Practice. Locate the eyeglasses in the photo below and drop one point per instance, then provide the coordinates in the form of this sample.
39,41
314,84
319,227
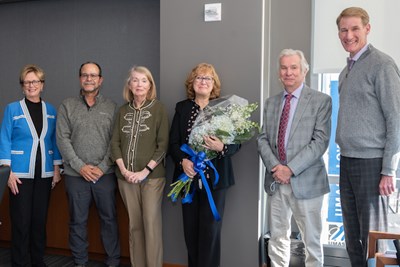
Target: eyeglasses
207,79
91,75
34,83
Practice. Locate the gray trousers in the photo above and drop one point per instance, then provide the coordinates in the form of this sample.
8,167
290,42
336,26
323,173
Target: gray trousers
80,194
362,206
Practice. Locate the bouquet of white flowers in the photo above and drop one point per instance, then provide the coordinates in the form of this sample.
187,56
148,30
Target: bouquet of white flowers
227,118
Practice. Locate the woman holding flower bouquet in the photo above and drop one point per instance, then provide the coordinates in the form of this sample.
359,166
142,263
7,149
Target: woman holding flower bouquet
138,146
202,231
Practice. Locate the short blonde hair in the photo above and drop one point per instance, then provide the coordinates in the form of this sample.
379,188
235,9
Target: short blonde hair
354,12
127,93
31,68
201,69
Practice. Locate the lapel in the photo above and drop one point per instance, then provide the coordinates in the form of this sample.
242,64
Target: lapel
301,107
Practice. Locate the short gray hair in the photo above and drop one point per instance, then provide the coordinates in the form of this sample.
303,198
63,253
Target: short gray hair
291,52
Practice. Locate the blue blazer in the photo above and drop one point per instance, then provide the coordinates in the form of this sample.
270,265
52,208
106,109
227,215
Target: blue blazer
19,140
307,142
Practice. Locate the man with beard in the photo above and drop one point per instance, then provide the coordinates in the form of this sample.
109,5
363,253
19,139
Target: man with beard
84,127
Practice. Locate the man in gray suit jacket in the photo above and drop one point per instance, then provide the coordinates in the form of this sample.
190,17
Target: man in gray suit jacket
295,178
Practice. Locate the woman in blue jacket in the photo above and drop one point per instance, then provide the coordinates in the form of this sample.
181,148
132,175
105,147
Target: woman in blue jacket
28,145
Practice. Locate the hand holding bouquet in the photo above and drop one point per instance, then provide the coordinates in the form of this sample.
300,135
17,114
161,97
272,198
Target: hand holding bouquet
228,119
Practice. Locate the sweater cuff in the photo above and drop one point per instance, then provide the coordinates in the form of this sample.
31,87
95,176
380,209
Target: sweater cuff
388,172
222,153
77,165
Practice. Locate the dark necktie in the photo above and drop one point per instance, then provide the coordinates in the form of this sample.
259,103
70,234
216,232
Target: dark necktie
350,63
282,129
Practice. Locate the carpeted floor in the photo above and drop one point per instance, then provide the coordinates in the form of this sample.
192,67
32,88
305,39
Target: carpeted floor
50,260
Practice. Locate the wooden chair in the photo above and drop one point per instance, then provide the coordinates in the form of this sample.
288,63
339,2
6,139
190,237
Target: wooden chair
381,259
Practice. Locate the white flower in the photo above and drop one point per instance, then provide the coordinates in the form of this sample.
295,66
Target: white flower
226,118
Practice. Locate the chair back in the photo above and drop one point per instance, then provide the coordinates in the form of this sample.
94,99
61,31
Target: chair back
381,259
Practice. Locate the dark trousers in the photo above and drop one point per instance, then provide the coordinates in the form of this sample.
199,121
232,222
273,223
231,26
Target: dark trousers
80,194
202,231
362,206
28,213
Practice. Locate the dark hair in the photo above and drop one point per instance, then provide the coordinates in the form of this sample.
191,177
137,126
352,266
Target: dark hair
90,62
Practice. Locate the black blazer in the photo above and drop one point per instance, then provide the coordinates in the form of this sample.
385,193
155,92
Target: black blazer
178,135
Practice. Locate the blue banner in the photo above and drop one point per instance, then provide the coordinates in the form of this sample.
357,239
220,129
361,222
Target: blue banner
334,152
335,230
334,207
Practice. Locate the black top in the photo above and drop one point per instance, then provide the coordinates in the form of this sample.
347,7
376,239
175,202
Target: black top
36,113
185,114
35,110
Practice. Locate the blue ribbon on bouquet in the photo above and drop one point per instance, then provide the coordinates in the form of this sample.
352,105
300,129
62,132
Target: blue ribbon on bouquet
199,164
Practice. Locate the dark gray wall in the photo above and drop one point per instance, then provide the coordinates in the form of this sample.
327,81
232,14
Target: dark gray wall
290,28
60,35
233,46
170,38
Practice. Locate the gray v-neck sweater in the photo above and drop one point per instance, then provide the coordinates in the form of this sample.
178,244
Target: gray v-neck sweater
369,112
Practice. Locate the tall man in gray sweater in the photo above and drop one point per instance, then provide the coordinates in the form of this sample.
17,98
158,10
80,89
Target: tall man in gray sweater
84,128
368,133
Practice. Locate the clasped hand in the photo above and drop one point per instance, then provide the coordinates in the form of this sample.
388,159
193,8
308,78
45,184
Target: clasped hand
282,174
136,177
91,173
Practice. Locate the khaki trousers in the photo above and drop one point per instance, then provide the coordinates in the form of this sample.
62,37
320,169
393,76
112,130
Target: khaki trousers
143,204
308,216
